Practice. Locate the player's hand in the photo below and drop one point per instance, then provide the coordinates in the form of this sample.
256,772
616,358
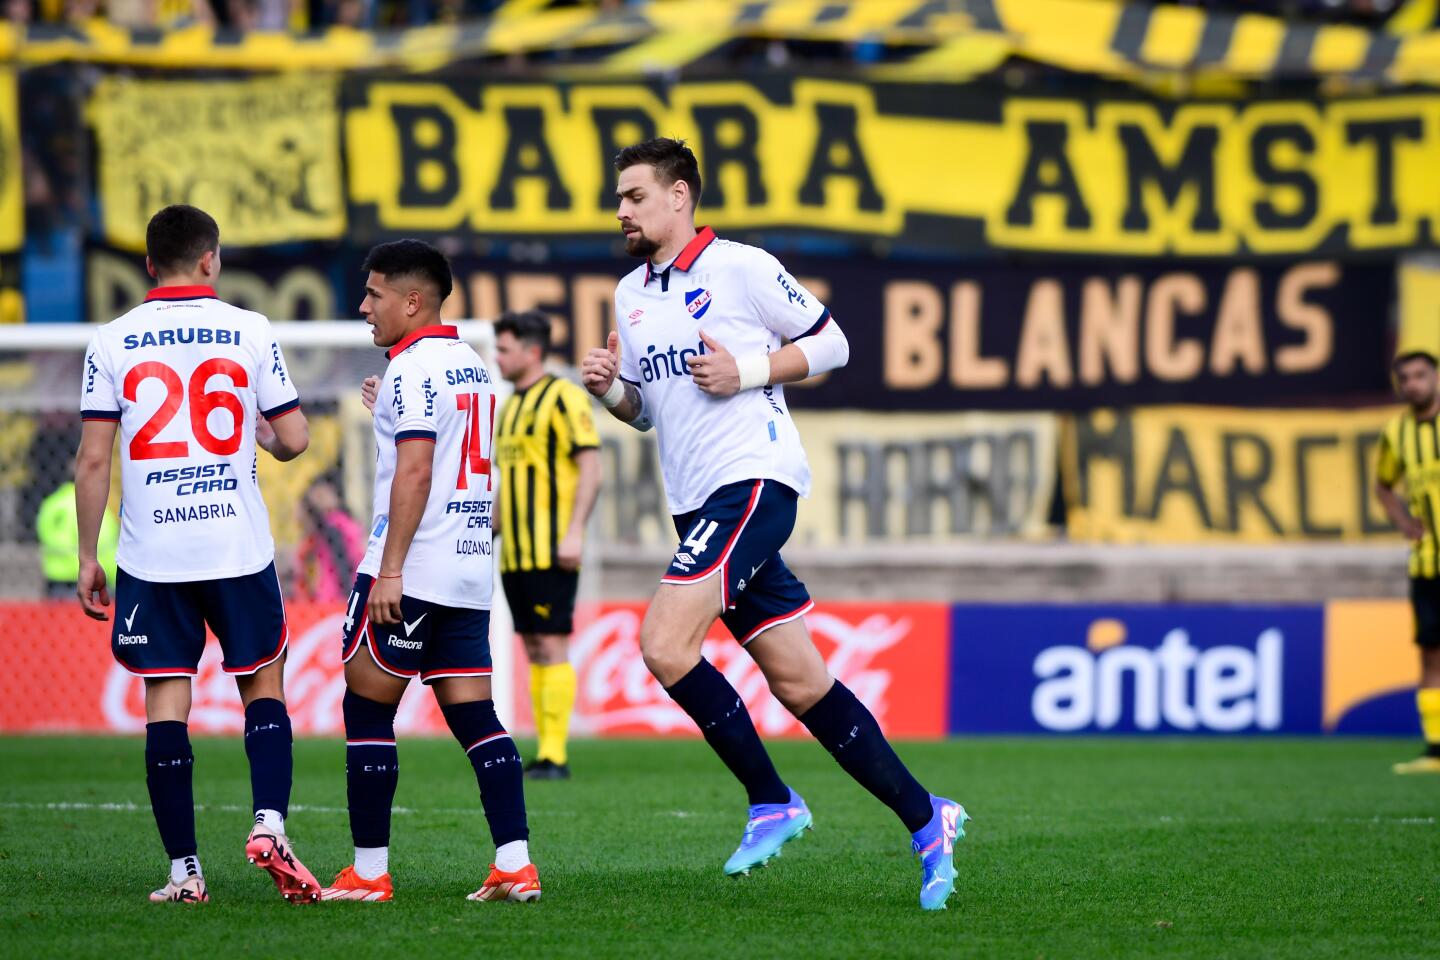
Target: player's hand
370,392
601,365
90,584
715,372
1413,529
567,554
264,434
384,603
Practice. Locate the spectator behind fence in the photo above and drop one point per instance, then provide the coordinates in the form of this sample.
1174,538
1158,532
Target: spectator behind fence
58,530
330,549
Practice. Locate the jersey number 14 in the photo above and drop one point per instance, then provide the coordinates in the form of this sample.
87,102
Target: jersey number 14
477,428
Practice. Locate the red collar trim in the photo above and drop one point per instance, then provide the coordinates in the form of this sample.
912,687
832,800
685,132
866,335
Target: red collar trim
438,330
179,293
694,248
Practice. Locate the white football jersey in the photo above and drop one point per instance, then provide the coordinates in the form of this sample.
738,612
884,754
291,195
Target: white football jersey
745,300
436,389
184,374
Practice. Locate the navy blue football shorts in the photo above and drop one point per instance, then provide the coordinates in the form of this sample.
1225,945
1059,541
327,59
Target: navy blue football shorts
736,536
159,628
432,641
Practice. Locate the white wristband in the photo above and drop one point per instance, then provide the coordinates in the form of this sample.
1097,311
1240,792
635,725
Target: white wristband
754,371
613,397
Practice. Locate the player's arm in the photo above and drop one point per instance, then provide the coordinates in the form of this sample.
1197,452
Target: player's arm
285,437
409,492
600,373
587,491
92,493
1387,478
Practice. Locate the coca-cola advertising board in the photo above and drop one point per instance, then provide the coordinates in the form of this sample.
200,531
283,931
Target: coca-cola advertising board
60,676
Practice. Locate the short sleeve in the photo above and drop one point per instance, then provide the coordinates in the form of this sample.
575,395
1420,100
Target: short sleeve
781,302
1387,466
98,400
629,363
411,395
573,416
275,392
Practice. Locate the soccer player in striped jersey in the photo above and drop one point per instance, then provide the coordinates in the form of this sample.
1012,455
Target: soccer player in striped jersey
421,603
193,385
708,332
1409,454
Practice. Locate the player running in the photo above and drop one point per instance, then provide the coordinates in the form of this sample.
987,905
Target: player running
701,356
1409,452
181,376
421,603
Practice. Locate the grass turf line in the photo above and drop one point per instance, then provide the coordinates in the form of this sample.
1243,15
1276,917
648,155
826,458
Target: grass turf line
1081,848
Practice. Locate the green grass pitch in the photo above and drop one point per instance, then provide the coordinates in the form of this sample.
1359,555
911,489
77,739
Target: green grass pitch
1080,848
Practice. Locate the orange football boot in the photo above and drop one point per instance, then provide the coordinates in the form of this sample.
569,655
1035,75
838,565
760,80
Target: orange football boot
522,885
349,885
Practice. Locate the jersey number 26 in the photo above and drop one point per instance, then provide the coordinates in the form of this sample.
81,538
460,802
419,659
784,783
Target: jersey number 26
202,401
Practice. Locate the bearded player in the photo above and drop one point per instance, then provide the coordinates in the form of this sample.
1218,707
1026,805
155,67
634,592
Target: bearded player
701,355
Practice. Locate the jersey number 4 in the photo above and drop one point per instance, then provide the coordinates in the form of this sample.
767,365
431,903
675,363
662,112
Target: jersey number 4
202,402
477,428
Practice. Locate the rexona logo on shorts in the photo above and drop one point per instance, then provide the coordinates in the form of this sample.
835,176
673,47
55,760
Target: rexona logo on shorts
1156,669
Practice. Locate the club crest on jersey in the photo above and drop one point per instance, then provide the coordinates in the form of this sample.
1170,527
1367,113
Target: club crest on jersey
697,302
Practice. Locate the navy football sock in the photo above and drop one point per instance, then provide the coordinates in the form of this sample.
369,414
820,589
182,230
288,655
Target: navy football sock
718,711
267,744
169,764
372,768
497,767
846,728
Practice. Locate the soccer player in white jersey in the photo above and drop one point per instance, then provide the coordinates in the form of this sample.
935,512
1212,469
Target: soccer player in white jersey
193,385
708,331
421,604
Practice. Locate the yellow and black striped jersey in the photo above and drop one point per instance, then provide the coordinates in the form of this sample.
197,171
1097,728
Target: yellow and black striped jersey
1410,452
539,431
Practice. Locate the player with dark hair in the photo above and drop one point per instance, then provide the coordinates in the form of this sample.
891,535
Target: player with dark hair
421,603
547,452
1409,452
708,332
193,385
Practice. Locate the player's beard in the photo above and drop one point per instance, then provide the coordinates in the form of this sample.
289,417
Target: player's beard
639,245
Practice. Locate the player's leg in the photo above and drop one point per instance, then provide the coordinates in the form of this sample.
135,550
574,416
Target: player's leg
247,615
1425,599
372,762
457,665
768,620
542,605
158,633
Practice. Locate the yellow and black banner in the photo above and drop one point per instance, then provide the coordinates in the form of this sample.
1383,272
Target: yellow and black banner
934,39
12,203
1204,474
965,168
262,156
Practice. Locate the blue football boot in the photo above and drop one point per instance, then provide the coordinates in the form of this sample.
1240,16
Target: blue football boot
770,827
935,845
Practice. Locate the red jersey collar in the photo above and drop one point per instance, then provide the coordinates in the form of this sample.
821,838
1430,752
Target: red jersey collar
179,293
439,330
689,255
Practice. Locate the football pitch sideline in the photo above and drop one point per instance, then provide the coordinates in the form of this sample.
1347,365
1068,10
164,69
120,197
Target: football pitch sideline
1080,848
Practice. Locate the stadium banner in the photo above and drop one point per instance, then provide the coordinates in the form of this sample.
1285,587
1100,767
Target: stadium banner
12,191
963,168
893,655
1350,667
933,336
896,478
260,155
1212,475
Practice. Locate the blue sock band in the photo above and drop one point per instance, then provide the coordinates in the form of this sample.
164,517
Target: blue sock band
718,711
372,768
268,745
169,764
847,728
497,767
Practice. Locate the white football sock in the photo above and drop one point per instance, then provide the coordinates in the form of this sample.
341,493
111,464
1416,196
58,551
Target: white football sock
512,856
182,868
272,820
372,862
